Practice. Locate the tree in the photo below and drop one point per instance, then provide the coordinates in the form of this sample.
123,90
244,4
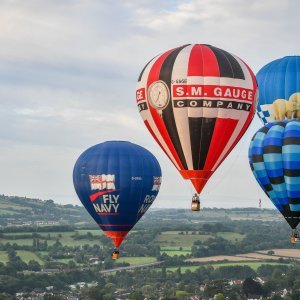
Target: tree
251,286
92,293
137,295
219,296
33,265
277,274
182,294
71,264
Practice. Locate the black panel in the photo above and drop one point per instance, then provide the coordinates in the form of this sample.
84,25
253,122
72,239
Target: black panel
272,149
168,114
294,200
291,141
291,172
277,180
293,218
228,65
201,131
141,75
263,130
268,187
257,158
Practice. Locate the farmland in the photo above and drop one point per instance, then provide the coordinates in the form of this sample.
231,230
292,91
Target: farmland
188,247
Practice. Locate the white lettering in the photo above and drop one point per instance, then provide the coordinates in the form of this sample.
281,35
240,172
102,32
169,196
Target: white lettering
236,93
218,91
229,105
179,91
115,206
196,91
244,94
180,103
97,208
116,198
207,103
240,106
250,95
193,103
227,93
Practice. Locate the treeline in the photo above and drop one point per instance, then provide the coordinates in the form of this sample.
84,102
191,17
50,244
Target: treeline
153,282
32,228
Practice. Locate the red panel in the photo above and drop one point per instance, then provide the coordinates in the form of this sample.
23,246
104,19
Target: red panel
116,236
157,140
152,77
222,133
203,62
96,195
250,116
198,178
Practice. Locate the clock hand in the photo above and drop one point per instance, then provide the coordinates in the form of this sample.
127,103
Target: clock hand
157,97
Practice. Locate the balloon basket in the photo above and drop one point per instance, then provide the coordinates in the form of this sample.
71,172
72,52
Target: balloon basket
295,240
116,254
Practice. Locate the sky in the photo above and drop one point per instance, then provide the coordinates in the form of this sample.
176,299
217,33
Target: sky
68,71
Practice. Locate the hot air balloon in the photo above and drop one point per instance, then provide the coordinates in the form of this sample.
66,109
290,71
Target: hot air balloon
117,182
274,157
197,102
279,90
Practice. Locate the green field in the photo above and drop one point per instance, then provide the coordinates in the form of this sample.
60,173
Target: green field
175,252
64,237
173,238
23,242
137,260
174,248
95,232
253,265
66,260
7,212
231,236
26,256
3,257
8,206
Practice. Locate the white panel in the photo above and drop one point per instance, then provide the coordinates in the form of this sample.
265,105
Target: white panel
146,114
180,70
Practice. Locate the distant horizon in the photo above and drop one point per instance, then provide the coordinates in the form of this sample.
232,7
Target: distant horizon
152,207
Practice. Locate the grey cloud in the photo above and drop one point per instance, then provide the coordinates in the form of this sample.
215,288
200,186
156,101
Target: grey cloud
68,71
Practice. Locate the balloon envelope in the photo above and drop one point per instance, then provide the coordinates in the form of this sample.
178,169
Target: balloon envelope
116,182
274,157
197,101
279,81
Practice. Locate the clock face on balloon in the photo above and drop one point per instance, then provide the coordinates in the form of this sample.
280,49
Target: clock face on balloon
158,95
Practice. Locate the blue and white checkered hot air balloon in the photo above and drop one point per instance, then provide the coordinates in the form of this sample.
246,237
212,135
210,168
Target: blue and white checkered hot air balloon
274,157
279,89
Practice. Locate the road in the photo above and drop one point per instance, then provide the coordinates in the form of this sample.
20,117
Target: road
132,267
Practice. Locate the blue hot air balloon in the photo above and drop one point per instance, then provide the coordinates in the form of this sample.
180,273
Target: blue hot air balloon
116,182
279,89
274,157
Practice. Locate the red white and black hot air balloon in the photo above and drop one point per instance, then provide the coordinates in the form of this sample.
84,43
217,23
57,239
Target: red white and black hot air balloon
197,101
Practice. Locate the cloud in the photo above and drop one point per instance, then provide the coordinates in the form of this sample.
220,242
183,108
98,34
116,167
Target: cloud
68,71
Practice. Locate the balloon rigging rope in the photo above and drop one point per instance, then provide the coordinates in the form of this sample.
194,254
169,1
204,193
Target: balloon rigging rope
220,179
